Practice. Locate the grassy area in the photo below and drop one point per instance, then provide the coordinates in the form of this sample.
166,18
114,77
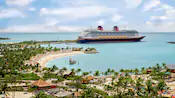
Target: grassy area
50,76
30,76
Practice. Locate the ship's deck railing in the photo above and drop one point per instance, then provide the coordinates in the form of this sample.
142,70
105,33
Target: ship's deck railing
95,30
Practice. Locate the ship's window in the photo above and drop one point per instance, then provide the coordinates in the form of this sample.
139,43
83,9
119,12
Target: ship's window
96,33
109,33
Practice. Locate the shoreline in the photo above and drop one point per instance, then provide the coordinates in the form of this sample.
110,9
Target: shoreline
43,59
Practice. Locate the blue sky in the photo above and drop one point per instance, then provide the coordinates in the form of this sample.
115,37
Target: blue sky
77,15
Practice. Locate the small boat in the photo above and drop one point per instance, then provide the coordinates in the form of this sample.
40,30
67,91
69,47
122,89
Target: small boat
71,61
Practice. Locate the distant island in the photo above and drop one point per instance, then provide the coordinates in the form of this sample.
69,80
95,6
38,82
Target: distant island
48,42
2,38
171,42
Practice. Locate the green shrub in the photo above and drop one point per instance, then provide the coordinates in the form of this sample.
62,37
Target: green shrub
30,76
15,88
49,76
41,94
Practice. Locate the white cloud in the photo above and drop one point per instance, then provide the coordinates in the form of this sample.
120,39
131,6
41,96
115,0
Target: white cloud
148,22
44,11
51,22
32,9
77,12
151,4
161,27
164,7
133,3
11,13
70,28
78,2
41,28
159,17
19,2
169,13
164,22
100,22
116,18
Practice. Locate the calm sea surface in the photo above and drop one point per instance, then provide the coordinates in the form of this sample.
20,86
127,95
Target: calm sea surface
152,50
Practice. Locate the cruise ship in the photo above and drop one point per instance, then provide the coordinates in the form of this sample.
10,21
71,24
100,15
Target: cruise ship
115,35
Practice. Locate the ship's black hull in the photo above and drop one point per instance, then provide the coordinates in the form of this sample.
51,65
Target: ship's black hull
136,39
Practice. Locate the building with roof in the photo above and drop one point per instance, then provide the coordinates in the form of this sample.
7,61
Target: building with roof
87,79
171,67
40,84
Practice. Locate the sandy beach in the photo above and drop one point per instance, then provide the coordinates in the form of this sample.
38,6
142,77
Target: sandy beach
19,95
42,59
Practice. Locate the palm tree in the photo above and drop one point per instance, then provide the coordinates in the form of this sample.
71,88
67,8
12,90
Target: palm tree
164,65
64,68
3,88
136,71
109,70
106,73
14,80
27,84
112,71
85,73
54,67
143,70
97,73
116,74
73,70
161,85
37,67
119,85
113,78
130,93
158,67
121,70
78,70
108,87
88,93
149,87
139,85
78,83
61,72
41,94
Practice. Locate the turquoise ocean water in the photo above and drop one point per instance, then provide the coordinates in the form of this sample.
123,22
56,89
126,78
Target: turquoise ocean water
152,50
